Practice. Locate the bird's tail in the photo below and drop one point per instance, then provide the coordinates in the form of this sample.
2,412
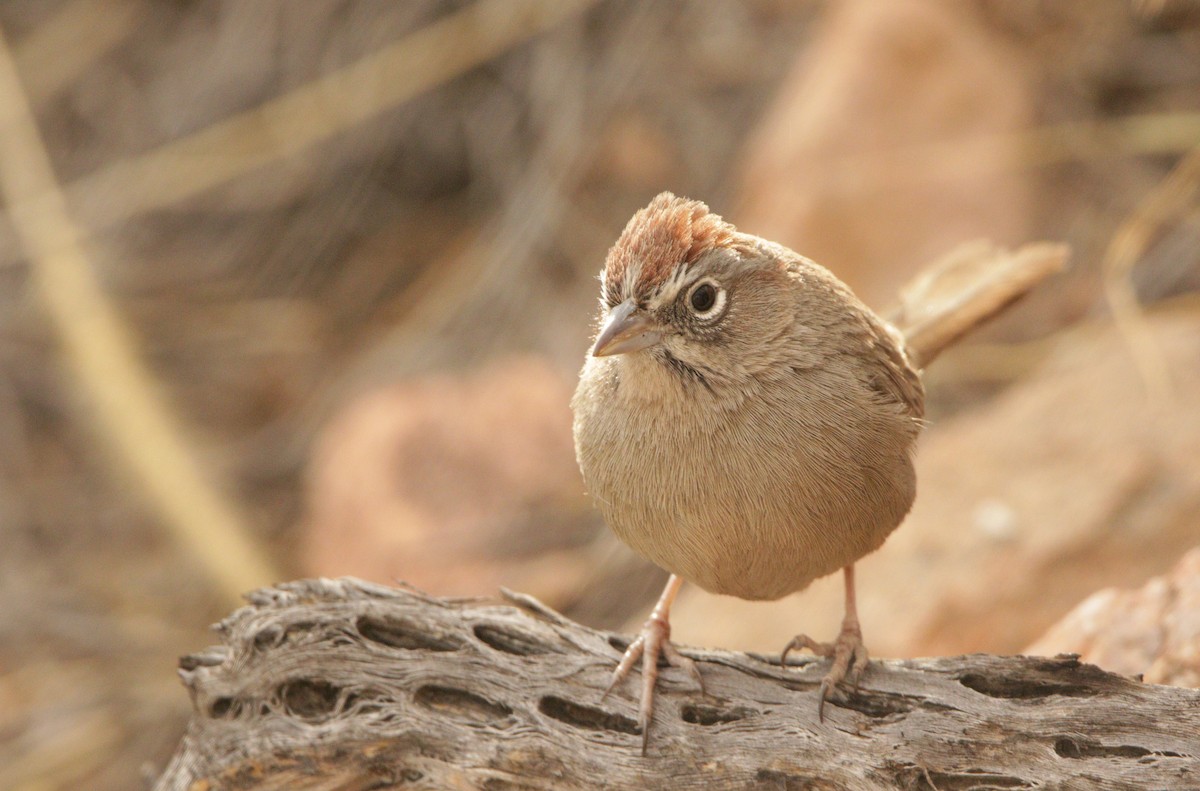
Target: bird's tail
965,288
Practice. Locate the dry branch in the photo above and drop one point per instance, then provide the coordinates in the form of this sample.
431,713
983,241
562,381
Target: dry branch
341,684
965,288
142,431
309,114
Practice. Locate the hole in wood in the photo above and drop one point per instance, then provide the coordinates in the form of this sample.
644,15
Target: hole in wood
909,775
222,708
309,699
461,704
267,638
273,636
712,715
968,780
1072,747
874,704
505,784
774,778
619,642
587,717
510,642
1023,687
401,634
211,657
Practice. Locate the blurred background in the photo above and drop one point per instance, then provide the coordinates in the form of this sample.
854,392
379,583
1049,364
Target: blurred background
294,289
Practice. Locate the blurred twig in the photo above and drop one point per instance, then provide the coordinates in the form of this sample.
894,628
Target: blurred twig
1004,362
965,288
62,48
496,275
1166,203
1133,135
132,416
948,160
312,113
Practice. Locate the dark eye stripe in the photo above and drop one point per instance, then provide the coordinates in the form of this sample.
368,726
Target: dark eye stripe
688,372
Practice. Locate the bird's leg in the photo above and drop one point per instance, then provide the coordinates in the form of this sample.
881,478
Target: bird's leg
848,653
652,642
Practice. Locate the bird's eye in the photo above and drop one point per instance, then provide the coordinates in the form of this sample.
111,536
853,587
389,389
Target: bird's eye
706,299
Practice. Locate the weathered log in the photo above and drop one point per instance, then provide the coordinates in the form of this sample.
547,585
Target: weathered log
341,684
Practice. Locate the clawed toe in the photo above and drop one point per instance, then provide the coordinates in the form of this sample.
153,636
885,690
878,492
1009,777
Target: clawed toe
848,653
858,664
676,659
631,655
802,641
653,642
849,657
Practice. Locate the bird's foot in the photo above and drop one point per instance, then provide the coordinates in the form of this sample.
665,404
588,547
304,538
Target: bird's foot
651,643
849,657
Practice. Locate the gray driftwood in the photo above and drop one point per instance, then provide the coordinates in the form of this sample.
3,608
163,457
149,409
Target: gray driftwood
341,684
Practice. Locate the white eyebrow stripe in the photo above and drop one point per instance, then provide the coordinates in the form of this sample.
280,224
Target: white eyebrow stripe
629,280
671,287
676,281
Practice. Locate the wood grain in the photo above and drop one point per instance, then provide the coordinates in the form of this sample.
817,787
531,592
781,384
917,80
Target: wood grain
342,684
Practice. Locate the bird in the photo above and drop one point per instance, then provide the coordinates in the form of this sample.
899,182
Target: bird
744,422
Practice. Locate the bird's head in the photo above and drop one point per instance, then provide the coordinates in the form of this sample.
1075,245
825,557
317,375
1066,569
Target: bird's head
684,287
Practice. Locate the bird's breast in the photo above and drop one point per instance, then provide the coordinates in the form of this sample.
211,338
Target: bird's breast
754,501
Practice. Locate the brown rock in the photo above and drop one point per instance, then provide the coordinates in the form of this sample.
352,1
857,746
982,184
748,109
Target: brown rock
860,164
1154,630
456,484
1068,482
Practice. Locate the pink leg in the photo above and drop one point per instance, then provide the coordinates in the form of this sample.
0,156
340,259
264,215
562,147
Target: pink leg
654,641
848,653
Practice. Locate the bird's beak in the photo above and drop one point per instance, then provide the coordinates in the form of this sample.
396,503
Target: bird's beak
626,329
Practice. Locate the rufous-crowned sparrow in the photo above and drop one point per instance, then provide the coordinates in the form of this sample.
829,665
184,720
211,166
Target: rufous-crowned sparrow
743,421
